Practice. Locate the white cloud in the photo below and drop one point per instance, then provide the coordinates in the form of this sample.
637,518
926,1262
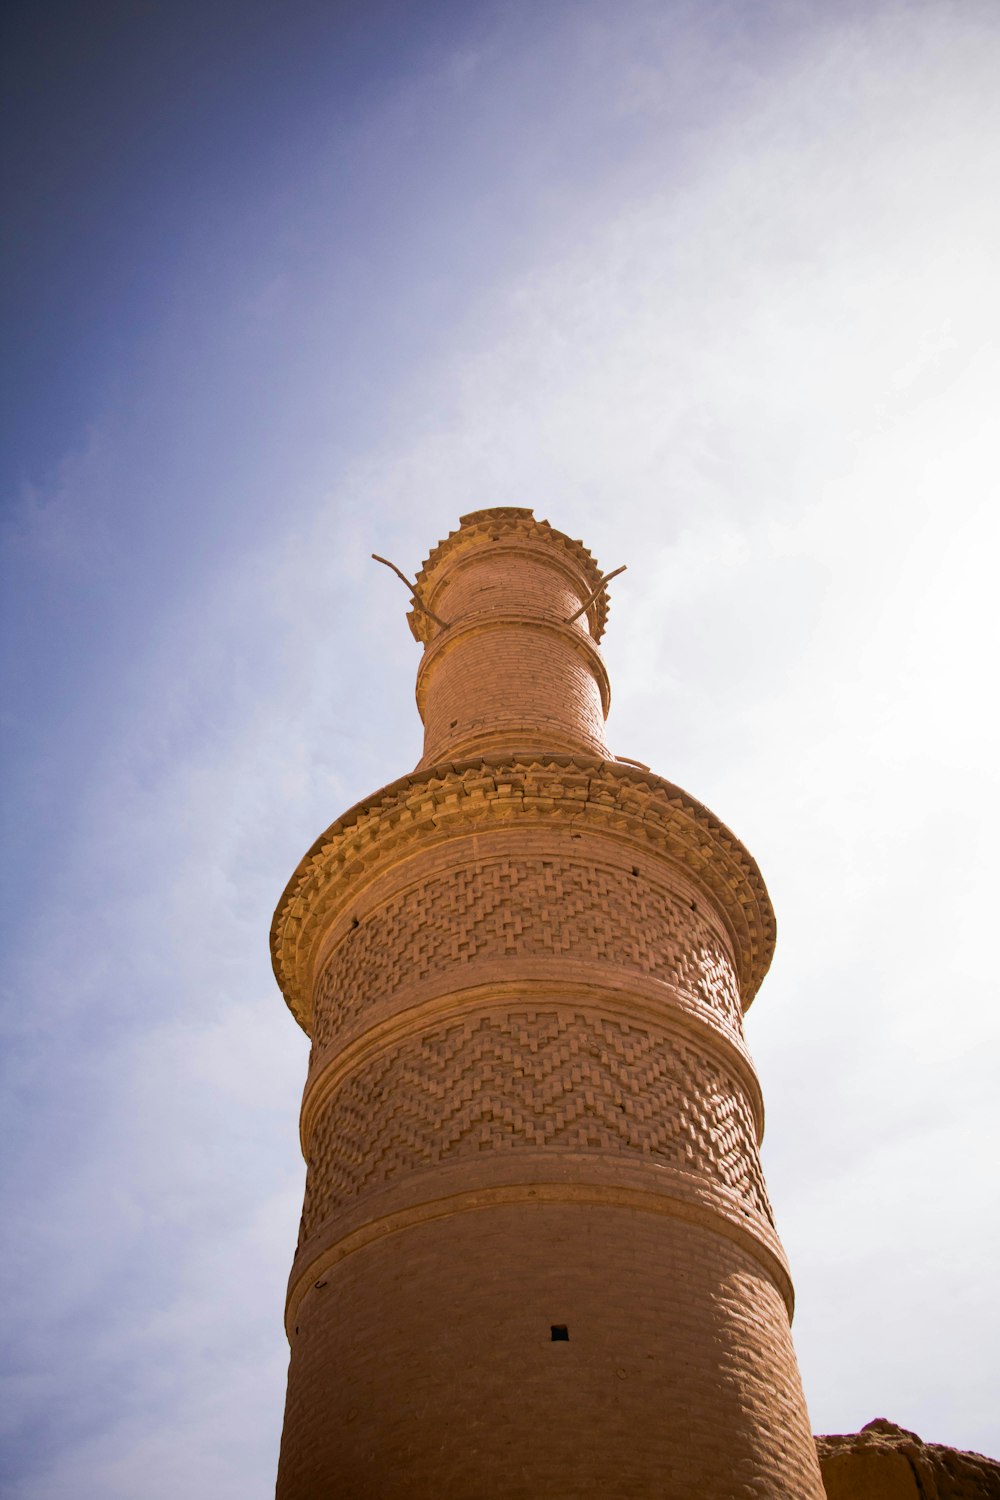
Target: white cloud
762,372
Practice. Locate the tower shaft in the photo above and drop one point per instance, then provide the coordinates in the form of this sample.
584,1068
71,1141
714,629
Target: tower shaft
537,1257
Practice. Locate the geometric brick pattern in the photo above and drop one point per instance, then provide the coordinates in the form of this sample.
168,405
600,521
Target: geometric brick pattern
553,1079
572,795
525,907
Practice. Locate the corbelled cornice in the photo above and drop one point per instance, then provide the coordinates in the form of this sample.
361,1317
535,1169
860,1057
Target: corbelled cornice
462,797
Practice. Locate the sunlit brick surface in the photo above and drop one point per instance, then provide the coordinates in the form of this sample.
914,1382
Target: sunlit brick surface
510,670
496,908
529,1105
554,1078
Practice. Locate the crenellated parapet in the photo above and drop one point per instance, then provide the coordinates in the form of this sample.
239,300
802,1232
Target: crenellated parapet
517,531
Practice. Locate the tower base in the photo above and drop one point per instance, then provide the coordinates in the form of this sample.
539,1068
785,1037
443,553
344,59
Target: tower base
534,1351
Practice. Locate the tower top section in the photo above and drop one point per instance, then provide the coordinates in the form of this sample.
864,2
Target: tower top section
509,612
515,527
513,694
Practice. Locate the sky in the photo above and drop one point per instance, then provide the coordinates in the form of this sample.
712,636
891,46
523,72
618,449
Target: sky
710,285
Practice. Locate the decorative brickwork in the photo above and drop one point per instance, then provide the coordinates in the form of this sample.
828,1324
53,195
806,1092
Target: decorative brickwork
514,527
537,1079
504,907
537,1257
580,797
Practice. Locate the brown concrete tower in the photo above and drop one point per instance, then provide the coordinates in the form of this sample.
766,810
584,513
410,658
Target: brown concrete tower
537,1257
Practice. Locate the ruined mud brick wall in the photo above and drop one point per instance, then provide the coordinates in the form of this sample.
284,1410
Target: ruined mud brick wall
886,1462
536,1256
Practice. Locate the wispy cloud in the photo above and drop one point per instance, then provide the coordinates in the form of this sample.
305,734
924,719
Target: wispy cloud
751,352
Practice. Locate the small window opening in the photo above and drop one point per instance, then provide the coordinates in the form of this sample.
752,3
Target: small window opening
355,922
560,1333
635,869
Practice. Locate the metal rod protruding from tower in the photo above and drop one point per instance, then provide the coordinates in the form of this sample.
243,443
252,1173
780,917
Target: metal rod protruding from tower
415,597
599,590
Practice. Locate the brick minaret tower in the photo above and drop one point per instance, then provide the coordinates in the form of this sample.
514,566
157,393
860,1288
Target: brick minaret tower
537,1257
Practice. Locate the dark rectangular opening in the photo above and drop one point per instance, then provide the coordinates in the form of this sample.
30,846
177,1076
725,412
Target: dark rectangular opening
560,1333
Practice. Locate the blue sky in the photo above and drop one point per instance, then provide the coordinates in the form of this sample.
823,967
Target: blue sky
711,286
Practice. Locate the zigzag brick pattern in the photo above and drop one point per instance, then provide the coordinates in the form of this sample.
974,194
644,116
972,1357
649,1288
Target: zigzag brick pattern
503,908
562,1081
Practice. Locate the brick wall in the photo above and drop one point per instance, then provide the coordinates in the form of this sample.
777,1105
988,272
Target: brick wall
425,1364
536,1255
